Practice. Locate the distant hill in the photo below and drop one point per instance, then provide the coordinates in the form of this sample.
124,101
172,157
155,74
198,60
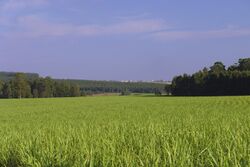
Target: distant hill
7,76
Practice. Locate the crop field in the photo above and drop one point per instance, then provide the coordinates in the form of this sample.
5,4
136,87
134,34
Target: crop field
125,131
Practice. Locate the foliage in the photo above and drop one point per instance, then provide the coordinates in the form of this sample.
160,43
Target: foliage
75,90
216,81
7,76
125,131
125,92
158,93
22,87
1,88
46,87
43,87
94,87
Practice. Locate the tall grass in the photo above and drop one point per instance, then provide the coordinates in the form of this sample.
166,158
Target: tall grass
125,131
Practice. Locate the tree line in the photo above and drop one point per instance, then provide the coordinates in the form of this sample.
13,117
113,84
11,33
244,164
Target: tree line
216,80
96,87
31,85
20,86
7,76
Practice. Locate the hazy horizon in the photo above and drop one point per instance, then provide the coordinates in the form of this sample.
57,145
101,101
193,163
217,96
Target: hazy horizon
121,40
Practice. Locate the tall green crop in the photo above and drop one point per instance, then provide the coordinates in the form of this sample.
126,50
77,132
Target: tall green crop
125,131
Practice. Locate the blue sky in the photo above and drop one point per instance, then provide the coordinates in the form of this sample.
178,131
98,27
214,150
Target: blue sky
121,40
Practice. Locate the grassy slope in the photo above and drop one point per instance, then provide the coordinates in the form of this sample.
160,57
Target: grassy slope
125,131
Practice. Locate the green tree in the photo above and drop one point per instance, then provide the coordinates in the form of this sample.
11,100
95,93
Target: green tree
20,86
62,89
217,81
158,92
75,90
168,89
234,67
125,92
244,64
218,67
43,87
1,88
7,90
35,93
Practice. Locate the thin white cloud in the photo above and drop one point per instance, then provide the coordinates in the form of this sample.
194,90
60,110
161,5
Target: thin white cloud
10,5
130,17
136,26
33,26
206,34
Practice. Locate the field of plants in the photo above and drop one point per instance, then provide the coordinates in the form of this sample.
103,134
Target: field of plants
125,131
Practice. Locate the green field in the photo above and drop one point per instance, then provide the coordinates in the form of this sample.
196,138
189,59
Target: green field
125,131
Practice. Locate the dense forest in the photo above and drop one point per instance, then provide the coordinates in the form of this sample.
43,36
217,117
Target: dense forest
24,86
30,85
95,87
7,76
216,80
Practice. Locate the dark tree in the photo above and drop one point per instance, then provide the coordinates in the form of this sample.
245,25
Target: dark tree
43,87
1,88
217,81
62,89
75,90
20,86
125,92
244,64
168,89
218,67
7,90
